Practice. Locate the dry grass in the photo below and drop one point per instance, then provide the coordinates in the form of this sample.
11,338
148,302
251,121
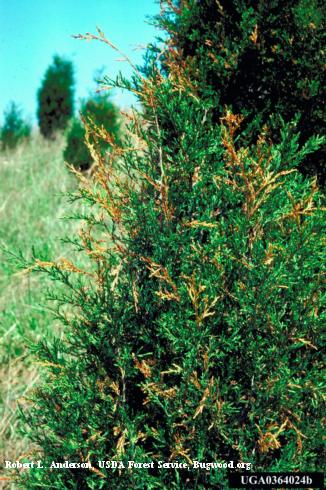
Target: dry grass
32,179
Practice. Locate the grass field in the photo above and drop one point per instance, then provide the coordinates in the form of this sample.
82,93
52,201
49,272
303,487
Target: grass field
33,179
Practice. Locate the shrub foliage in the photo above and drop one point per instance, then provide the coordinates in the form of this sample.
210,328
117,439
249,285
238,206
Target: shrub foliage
261,59
56,97
101,112
191,331
15,129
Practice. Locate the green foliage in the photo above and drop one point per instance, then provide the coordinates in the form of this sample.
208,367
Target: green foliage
76,152
98,110
259,58
56,97
191,320
15,129
191,330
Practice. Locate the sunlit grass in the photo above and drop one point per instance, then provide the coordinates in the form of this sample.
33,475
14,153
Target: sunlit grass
33,179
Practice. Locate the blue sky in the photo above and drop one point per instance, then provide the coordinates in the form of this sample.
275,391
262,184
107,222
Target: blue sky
32,31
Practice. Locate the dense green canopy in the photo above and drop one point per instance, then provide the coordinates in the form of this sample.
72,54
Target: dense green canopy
191,317
56,97
265,60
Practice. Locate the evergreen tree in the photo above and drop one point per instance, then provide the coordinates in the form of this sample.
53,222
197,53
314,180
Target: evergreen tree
56,97
15,128
99,110
262,59
191,324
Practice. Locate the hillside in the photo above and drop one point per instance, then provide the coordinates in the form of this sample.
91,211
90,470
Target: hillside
32,207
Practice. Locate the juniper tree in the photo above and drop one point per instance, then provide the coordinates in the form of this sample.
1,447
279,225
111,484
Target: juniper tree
55,97
100,111
191,323
262,59
14,129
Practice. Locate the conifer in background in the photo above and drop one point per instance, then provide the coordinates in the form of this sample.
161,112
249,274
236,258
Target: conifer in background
101,112
15,128
191,323
55,97
262,59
